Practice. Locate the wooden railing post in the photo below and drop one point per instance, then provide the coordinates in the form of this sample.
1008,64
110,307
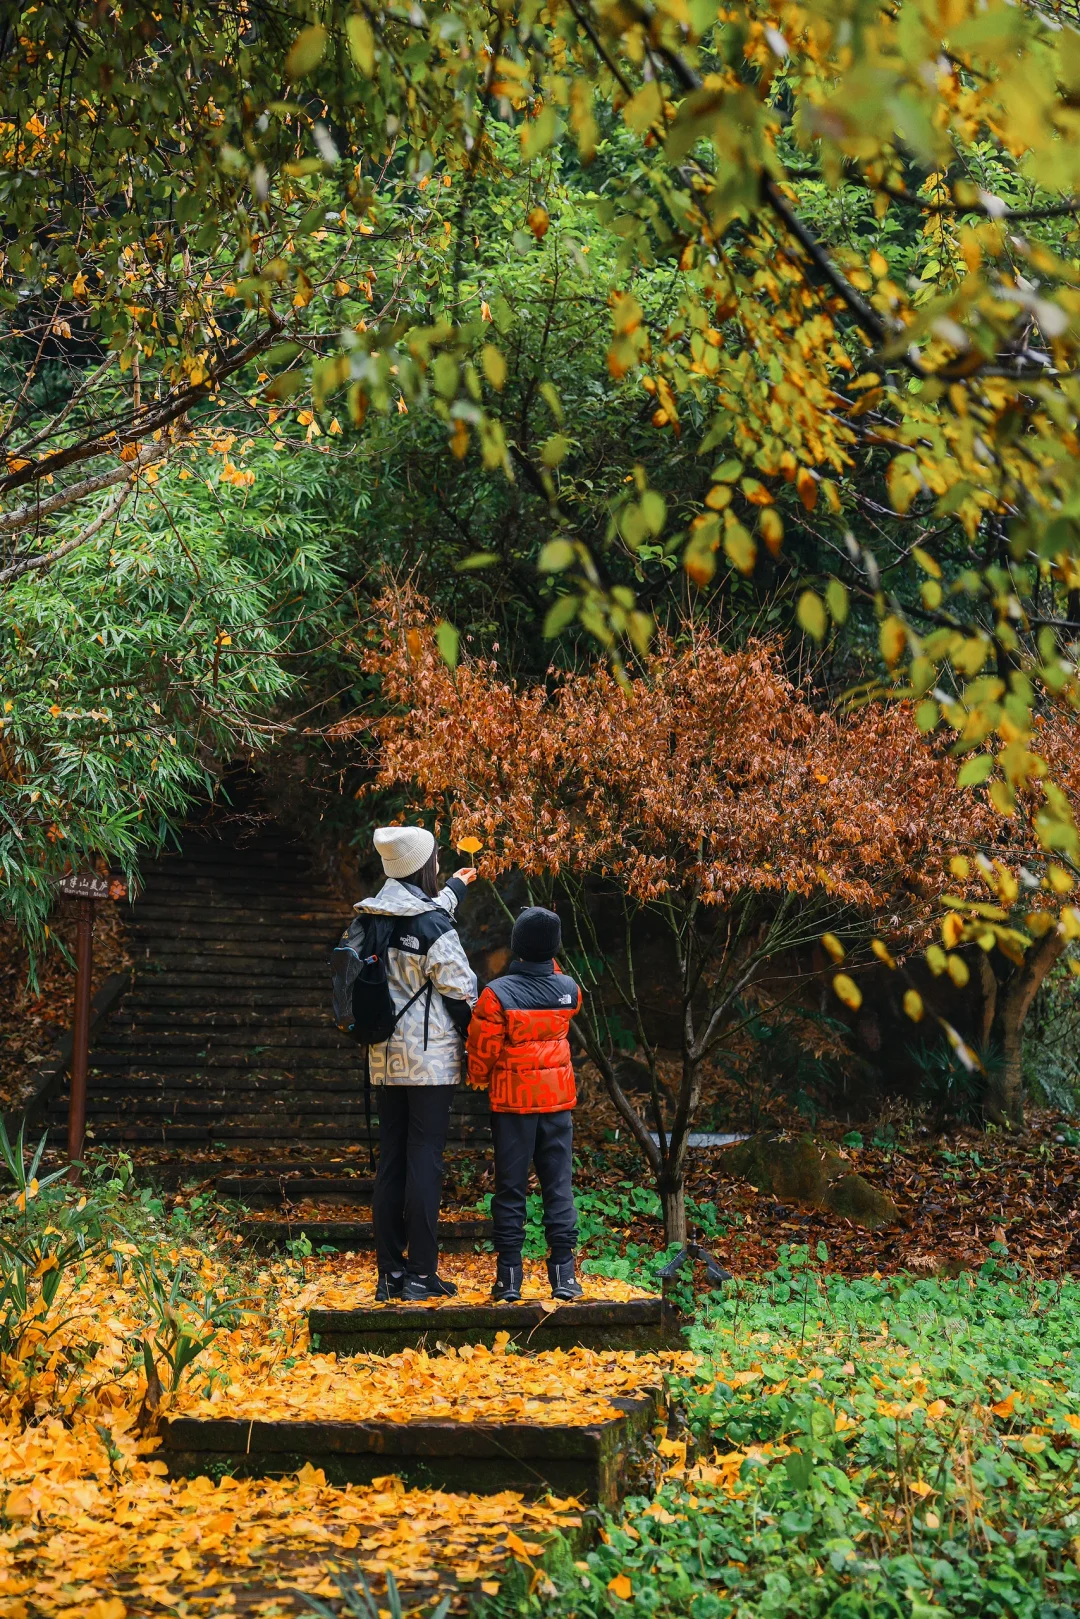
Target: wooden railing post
85,889
80,1046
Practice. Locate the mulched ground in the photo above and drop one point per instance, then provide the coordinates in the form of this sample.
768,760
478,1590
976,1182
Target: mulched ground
957,1194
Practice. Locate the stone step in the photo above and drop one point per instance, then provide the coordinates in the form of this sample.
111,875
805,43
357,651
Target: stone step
262,1135
645,1323
222,880
198,1107
225,1040
354,1171
167,917
455,1236
227,1061
244,895
166,997
275,1047
193,1106
271,1089
271,1190
214,1113
271,881
308,982
195,937
226,854
148,1019
586,1461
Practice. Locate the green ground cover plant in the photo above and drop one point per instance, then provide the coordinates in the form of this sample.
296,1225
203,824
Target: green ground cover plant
867,1448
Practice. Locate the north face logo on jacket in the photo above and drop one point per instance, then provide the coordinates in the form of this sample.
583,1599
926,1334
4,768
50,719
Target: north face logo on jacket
519,1045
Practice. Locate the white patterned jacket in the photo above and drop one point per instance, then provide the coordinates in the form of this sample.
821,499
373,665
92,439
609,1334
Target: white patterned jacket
427,1045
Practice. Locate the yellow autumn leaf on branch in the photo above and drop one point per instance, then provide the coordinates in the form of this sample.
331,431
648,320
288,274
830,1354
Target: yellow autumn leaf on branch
847,991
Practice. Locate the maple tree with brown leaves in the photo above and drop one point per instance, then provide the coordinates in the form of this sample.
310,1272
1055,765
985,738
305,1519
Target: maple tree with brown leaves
705,795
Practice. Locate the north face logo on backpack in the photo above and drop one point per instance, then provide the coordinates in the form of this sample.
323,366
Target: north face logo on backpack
566,1000
410,942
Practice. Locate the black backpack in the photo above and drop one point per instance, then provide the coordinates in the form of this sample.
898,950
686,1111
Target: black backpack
363,1005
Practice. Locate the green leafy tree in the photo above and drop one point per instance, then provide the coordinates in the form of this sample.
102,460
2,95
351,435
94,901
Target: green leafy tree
129,676
865,224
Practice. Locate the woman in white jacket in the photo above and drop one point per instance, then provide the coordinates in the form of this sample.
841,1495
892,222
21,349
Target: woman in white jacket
417,1068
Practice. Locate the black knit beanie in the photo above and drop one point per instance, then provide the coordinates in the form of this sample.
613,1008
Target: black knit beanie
537,934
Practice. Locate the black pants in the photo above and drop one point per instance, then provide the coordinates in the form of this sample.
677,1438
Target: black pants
413,1121
546,1140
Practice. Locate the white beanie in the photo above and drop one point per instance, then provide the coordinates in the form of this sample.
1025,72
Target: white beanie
403,849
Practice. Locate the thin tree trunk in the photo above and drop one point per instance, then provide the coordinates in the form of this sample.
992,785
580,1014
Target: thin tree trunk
673,1203
1005,1101
1005,1098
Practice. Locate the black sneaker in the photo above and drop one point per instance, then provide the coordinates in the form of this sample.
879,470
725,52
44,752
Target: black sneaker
564,1284
508,1280
391,1285
428,1287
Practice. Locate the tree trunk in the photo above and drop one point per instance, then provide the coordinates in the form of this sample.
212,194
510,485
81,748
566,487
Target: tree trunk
673,1203
1005,1095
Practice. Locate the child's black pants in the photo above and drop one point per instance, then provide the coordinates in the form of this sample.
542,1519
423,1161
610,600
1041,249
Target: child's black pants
413,1123
546,1140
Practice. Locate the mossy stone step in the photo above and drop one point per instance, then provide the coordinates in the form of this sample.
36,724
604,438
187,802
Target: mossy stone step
645,1323
261,1191
593,1461
455,1236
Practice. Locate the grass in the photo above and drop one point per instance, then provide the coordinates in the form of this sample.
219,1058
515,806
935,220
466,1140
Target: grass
867,1449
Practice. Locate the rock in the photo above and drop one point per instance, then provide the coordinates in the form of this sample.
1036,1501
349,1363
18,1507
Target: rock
856,1199
798,1169
802,1170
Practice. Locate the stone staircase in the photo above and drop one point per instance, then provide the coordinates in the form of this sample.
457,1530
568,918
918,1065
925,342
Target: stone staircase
224,1046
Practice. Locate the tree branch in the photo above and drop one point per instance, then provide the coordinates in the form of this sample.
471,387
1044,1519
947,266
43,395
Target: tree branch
154,419
26,516
46,559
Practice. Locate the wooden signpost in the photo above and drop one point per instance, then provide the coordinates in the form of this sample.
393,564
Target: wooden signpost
85,889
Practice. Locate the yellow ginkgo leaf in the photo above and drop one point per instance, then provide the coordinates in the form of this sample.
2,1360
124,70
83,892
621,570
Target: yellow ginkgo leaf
469,845
621,1587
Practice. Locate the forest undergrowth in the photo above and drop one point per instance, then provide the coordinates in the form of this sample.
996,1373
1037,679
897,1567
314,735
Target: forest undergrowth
872,1445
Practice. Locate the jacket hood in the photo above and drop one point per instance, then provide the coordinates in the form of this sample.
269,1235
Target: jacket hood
394,899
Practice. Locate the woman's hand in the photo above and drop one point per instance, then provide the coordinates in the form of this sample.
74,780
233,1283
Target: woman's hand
467,874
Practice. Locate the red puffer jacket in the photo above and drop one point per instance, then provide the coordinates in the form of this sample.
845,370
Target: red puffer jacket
519,1046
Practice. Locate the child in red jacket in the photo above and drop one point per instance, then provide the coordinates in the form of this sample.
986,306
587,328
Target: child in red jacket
519,1050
